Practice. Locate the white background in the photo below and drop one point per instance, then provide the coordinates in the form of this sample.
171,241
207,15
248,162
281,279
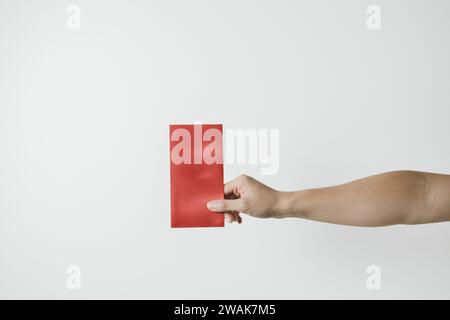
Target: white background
84,159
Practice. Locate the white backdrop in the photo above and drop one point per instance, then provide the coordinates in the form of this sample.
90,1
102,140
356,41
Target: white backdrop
84,159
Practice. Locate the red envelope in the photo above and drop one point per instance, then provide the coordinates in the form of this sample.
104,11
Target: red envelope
196,174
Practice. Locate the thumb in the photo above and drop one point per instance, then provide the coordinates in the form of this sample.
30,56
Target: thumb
225,205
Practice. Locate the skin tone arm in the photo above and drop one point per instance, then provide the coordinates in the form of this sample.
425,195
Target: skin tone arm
401,197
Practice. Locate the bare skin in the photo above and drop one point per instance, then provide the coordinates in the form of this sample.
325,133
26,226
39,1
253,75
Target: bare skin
400,197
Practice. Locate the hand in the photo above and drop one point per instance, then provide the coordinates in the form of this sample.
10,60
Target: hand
247,195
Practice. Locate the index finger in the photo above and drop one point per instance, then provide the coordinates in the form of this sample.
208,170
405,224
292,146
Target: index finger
230,187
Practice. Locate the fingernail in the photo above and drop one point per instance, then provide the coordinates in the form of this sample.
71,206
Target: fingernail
211,205
228,218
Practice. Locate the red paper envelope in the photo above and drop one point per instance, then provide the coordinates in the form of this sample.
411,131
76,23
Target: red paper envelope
196,174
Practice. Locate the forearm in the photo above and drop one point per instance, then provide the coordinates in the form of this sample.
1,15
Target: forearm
403,197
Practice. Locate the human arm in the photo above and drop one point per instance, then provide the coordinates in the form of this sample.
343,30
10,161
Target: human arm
400,197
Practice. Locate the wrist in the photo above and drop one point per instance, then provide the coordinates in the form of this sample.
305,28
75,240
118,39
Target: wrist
291,204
